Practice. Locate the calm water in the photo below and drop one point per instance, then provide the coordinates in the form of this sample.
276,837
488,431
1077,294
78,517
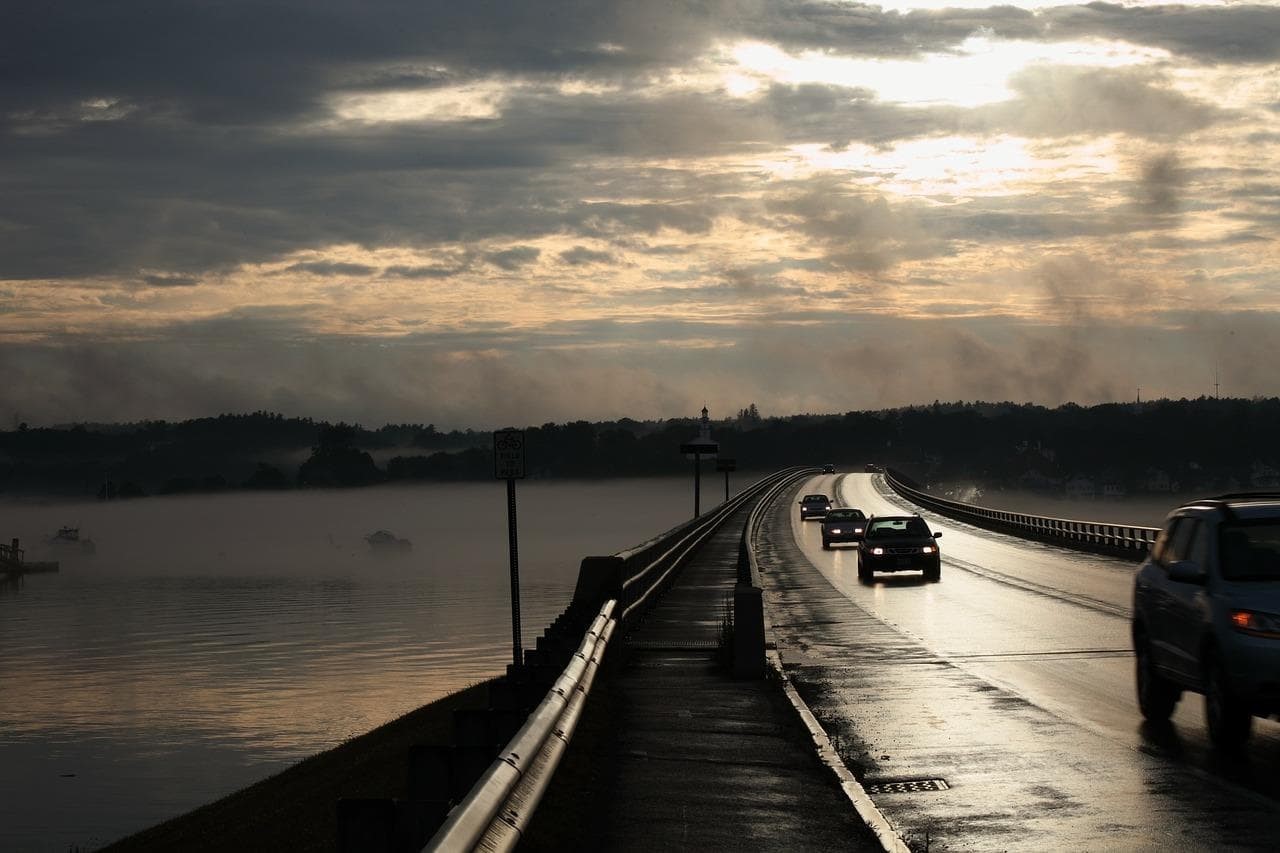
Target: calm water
212,641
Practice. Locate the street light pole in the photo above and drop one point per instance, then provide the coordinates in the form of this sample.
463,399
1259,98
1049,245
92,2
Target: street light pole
695,450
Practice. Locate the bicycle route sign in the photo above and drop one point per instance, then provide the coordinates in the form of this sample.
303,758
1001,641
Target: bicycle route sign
508,454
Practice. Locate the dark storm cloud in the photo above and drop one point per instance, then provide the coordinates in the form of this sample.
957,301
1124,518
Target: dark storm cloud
581,256
514,258
170,280
860,231
204,150
1211,34
328,269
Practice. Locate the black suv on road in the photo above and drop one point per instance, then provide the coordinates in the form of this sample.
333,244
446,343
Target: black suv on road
1206,614
898,543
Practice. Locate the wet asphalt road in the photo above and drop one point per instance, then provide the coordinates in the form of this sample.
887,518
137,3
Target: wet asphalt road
1012,680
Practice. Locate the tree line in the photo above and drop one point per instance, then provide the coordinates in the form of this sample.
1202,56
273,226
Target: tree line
1203,442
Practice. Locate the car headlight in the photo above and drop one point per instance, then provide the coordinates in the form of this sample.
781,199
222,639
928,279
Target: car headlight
857,530
835,530
877,551
928,549
1255,623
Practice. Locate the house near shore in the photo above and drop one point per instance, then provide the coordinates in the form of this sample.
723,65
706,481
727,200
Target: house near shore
1263,476
1080,487
1157,481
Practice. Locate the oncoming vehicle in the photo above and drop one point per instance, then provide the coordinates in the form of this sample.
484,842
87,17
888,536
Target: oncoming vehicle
898,543
1206,614
845,524
814,506
828,468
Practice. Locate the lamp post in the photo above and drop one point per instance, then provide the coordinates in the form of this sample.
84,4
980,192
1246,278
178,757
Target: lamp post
702,446
726,465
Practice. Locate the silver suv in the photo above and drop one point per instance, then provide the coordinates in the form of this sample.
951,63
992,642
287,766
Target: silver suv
1206,614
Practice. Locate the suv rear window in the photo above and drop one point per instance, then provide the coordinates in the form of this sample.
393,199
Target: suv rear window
1250,551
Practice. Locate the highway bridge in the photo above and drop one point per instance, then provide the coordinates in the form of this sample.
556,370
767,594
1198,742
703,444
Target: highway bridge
993,710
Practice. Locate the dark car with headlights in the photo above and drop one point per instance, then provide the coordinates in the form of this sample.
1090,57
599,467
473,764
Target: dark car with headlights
844,524
1206,614
898,543
814,506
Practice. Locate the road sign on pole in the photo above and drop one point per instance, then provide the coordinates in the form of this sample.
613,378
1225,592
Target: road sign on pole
508,454
508,464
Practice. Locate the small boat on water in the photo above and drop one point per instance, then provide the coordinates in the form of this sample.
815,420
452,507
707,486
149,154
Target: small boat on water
70,536
386,542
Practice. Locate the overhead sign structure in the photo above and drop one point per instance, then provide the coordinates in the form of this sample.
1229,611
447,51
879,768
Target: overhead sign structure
508,454
508,464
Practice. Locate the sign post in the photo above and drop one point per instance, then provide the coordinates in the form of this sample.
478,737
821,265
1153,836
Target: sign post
726,465
508,464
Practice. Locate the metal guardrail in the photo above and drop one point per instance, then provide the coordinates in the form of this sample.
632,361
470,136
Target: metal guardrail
494,814
1122,540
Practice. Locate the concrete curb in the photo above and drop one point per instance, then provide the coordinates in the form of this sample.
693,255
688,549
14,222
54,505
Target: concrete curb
890,839
884,831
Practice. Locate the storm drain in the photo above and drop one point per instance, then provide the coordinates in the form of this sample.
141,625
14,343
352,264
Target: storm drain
672,645
905,786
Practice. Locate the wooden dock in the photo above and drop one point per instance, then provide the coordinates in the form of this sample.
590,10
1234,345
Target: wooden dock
13,563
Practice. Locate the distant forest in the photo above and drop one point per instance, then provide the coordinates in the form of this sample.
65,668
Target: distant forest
1155,446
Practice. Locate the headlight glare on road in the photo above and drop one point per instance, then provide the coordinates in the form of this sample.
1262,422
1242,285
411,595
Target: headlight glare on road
877,551
1255,623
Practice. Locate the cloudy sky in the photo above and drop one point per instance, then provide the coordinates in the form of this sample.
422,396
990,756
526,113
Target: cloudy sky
486,212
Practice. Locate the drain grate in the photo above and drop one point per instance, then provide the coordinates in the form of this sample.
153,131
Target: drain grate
672,645
905,786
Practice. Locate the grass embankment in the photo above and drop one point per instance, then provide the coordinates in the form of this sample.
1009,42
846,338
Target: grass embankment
297,809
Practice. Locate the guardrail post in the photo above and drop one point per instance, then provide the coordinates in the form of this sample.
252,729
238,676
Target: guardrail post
748,632
599,579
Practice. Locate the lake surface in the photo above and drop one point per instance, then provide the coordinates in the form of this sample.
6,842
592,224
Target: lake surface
212,641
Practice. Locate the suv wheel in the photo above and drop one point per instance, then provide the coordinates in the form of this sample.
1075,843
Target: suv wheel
864,573
933,574
826,544
1156,694
1229,718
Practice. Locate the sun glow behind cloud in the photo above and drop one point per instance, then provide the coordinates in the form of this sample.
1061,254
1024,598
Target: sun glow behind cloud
976,73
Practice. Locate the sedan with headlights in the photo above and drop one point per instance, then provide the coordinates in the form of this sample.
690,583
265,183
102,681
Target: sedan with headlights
814,506
845,524
898,543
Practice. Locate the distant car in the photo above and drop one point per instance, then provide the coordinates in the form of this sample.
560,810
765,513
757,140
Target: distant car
845,524
898,543
1206,614
828,468
814,506
871,468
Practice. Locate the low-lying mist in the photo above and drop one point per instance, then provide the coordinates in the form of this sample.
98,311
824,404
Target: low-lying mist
452,528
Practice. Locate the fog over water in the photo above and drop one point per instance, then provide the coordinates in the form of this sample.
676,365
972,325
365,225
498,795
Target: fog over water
214,640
